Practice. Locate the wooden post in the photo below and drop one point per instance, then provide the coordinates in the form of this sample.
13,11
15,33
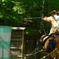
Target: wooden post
23,42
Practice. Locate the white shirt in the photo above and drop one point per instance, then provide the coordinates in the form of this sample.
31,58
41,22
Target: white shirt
55,24
56,18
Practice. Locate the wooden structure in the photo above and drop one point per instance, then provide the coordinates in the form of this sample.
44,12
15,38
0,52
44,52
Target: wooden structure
17,43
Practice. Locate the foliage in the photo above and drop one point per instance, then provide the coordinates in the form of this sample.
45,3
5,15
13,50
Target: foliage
24,13
28,13
10,13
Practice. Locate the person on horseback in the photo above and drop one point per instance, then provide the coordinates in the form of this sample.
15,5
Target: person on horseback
54,20
50,41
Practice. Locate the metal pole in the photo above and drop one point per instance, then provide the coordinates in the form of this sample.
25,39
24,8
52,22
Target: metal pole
2,52
2,48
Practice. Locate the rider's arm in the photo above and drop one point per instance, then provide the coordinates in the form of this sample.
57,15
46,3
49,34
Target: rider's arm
47,19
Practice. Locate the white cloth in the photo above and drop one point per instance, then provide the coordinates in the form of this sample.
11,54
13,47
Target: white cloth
56,18
55,25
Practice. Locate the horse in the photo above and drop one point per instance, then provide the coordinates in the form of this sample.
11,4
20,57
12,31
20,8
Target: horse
51,45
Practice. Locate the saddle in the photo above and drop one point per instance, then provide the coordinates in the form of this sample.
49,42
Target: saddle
52,43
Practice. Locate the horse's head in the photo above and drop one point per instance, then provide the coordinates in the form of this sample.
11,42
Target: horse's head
42,37
51,43
44,42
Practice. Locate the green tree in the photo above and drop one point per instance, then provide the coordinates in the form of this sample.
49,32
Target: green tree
28,13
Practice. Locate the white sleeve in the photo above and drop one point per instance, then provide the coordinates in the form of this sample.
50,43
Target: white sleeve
56,17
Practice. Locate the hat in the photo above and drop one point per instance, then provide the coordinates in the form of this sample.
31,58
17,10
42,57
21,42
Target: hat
54,12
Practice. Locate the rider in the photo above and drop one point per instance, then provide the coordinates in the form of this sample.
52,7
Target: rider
54,20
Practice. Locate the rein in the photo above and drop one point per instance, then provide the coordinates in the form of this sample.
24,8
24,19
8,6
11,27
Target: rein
57,51
49,53
34,52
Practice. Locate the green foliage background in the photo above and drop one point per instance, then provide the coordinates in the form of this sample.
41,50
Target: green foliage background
24,13
14,12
